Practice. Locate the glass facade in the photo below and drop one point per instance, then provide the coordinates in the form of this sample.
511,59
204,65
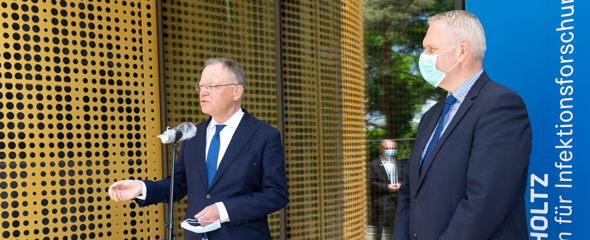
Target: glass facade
396,95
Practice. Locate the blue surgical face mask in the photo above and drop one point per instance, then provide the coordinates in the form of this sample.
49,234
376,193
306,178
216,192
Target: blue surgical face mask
389,153
200,229
428,69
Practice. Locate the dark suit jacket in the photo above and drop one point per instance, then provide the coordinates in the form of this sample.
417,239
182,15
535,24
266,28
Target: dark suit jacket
250,180
473,182
378,180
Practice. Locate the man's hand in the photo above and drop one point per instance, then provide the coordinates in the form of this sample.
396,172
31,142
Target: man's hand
393,187
208,215
125,190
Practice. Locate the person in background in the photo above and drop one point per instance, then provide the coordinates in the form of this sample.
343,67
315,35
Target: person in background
384,180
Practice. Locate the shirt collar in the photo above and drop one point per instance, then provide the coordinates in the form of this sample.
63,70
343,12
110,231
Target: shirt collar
461,92
385,159
232,122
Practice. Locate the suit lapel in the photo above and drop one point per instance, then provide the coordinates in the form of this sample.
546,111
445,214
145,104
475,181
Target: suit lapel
241,137
200,151
463,109
424,136
382,170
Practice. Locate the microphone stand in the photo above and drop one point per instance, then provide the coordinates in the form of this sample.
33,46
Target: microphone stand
170,224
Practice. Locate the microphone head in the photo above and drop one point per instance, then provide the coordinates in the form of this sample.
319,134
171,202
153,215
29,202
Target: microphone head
167,136
184,131
187,129
178,136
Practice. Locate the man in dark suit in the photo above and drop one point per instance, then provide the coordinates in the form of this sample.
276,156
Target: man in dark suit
384,179
466,176
233,168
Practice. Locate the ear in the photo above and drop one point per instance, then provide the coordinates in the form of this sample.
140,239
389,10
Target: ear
464,52
238,92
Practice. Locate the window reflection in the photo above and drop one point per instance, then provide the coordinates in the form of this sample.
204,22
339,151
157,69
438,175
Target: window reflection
396,94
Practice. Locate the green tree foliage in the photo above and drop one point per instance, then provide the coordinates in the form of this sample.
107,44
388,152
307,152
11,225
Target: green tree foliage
373,146
394,30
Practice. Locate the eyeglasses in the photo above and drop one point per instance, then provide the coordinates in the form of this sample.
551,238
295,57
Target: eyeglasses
201,87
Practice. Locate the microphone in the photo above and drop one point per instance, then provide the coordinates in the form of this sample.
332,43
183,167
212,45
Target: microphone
184,131
178,136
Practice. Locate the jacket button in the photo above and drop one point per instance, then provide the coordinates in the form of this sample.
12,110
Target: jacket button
208,196
415,236
416,202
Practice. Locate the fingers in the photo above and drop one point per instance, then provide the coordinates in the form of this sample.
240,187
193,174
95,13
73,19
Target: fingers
117,184
125,190
116,194
201,214
113,190
208,215
393,187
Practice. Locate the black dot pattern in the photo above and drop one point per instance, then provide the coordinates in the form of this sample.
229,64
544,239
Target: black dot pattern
323,92
79,110
195,31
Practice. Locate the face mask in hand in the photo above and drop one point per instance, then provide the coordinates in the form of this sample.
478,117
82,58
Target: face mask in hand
428,69
389,153
186,224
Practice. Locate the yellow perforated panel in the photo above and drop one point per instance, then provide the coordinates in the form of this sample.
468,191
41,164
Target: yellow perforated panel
195,31
303,141
323,113
353,121
79,110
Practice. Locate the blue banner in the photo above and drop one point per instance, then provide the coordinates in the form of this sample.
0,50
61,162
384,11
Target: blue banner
541,49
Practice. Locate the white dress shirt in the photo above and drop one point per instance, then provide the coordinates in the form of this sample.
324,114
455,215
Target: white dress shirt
459,94
225,137
390,168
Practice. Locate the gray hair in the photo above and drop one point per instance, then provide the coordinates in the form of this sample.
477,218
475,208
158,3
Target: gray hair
382,143
461,26
232,68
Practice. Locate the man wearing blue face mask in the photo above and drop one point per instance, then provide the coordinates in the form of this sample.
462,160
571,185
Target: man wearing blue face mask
384,179
466,176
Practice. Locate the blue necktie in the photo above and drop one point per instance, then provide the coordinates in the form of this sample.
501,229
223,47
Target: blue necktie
213,154
212,157
441,122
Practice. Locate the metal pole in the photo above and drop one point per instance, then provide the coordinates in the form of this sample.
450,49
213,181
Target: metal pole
162,89
170,224
459,4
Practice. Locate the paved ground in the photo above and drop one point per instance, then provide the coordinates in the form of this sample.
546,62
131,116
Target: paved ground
371,236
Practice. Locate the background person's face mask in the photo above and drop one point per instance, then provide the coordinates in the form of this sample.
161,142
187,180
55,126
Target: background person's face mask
186,224
428,69
389,153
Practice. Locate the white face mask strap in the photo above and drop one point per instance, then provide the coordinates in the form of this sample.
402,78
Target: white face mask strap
195,220
448,50
455,63
451,68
